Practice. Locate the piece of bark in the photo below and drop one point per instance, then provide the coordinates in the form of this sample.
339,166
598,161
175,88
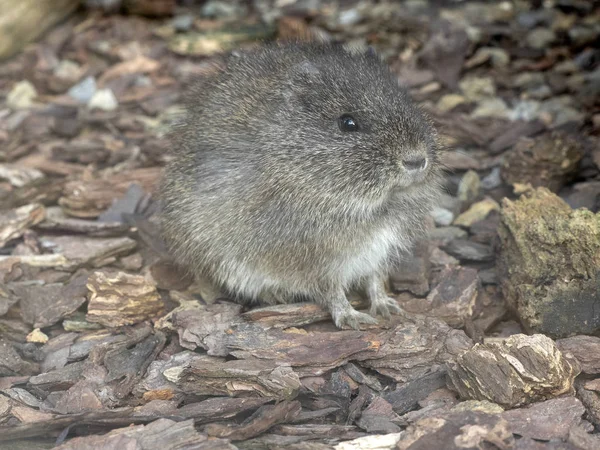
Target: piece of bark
163,434
452,299
457,431
12,364
59,379
412,273
445,52
89,198
407,396
15,222
585,349
379,417
121,299
7,299
512,372
547,420
549,255
469,251
263,419
127,362
44,191
513,133
170,276
80,251
196,324
218,408
25,21
208,375
151,8
287,316
414,348
57,221
591,401
79,398
549,160
309,353
43,305
357,375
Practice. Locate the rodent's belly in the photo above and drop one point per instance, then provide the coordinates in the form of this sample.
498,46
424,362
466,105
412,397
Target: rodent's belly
300,272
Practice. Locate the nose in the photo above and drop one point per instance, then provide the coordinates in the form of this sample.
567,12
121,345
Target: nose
415,163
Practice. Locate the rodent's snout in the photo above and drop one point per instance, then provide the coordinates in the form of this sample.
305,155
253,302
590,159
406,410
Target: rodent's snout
415,164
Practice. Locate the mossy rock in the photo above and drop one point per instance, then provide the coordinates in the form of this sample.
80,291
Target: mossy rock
549,262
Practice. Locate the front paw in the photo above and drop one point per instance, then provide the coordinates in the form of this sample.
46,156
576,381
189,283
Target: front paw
352,318
385,306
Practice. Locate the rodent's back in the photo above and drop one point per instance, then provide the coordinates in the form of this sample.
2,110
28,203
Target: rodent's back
263,182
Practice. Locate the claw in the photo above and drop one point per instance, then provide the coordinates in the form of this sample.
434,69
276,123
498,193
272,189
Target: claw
385,306
352,318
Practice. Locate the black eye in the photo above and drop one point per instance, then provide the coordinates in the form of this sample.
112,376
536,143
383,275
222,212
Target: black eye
347,123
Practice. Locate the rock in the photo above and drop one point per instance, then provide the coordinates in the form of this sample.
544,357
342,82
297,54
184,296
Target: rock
466,250
450,101
581,36
446,234
526,80
552,419
497,56
491,107
540,92
549,160
221,10
512,372
525,110
478,211
183,22
585,349
548,264
21,95
67,70
478,88
468,188
492,180
442,216
560,110
540,38
84,90
121,299
103,99
36,336
24,21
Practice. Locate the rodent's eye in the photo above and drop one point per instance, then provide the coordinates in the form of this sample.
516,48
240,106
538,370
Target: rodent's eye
347,123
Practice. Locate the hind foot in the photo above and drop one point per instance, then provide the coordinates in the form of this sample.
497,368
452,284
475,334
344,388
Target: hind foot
381,303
